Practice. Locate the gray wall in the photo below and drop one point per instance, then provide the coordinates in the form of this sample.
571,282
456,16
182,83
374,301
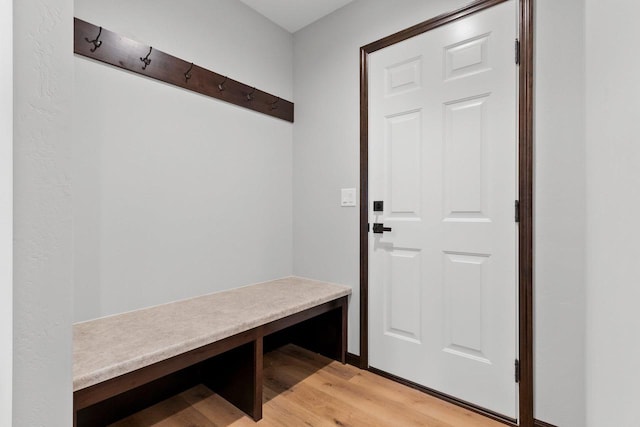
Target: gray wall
43,274
613,202
176,194
560,187
326,158
6,210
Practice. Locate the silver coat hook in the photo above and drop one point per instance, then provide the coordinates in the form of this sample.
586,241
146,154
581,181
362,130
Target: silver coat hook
274,105
250,95
96,42
221,85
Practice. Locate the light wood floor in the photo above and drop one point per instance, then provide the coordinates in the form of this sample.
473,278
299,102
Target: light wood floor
305,389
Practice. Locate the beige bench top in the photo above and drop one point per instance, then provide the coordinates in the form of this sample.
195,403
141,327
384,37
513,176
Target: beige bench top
111,346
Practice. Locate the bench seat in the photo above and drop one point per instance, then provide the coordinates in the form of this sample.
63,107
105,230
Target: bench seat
119,346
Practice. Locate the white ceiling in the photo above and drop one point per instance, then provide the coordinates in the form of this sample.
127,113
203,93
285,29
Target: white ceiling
293,15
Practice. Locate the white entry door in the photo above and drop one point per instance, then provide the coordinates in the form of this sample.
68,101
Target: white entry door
443,153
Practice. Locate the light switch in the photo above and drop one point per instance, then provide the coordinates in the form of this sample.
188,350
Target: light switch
348,197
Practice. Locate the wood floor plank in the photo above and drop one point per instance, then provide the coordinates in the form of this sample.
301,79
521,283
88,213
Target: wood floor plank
422,402
317,361
387,391
216,409
388,412
337,412
305,389
173,412
289,413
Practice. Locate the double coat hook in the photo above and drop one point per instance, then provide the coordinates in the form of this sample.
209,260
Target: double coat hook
187,75
146,59
250,95
221,85
96,42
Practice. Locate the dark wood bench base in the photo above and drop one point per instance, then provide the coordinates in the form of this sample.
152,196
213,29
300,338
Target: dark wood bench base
231,367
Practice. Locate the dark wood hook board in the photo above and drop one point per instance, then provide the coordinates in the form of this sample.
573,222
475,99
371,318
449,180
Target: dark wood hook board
130,55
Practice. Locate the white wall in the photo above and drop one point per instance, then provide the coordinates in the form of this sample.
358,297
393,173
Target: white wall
177,194
613,202
559,213
326,158
6,210
42,304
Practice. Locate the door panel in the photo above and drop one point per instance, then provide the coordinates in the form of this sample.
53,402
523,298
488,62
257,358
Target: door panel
464,142
442,157
403,310
464,283
403,162
467,57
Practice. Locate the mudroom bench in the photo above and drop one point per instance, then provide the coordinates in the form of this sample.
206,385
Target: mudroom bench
126,362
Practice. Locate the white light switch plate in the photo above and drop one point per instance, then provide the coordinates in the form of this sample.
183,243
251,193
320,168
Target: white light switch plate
348,197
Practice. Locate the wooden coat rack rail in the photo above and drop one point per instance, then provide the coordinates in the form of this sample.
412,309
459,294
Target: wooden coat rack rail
108,47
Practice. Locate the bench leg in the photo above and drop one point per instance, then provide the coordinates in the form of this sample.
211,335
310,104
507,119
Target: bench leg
343,330
237,376
258,377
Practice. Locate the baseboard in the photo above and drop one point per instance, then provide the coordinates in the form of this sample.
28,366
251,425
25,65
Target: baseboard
353,359
538,423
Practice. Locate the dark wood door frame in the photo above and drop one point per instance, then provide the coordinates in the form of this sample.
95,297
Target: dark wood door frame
525,188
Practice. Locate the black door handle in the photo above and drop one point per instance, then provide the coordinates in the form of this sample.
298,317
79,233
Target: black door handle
380,228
